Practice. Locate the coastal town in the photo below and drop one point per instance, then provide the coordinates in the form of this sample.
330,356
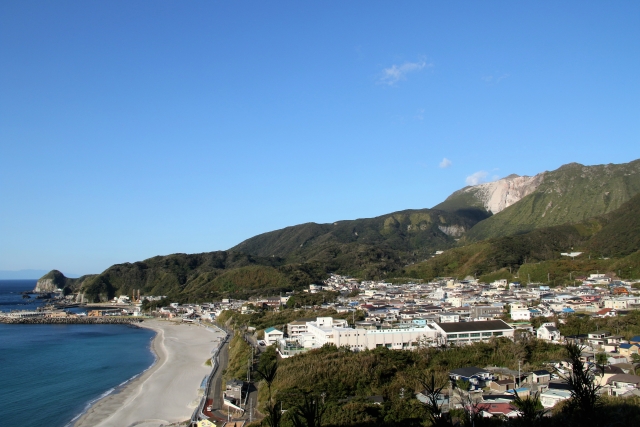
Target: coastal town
367,315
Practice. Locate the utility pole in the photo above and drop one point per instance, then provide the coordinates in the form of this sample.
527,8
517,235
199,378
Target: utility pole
519,379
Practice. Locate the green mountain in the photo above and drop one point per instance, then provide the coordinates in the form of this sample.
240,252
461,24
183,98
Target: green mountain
404,235
193,277
517,225
569,194
610,242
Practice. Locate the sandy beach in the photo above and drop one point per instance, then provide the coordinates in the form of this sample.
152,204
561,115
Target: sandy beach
167,392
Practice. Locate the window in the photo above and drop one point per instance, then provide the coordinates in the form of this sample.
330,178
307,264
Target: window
463,335
475,335
486,334
452,335
497,334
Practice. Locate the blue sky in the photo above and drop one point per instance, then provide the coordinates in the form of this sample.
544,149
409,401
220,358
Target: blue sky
134,129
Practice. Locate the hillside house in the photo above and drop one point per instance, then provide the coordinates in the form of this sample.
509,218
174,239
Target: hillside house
548,332
476,377
272,335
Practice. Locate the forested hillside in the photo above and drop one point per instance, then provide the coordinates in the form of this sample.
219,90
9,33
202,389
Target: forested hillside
610,243
570,194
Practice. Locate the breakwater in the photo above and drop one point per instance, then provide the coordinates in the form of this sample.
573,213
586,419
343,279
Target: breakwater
69,320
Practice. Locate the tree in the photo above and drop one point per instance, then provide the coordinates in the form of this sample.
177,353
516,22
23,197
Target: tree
433,391
274,414
585,393
531,412
309,412
268,373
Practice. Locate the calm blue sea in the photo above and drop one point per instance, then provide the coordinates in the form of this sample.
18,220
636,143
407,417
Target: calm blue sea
49,374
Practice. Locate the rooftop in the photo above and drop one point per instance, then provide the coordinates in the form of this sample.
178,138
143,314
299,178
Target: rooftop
487,325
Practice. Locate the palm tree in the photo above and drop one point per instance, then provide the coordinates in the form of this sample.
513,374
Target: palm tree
268,373
310,412
433,393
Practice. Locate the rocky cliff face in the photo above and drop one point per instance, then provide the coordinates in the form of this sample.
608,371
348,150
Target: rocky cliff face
452,230
45,285
498,195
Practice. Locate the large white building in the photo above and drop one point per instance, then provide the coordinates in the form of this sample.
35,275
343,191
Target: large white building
326,330
470,332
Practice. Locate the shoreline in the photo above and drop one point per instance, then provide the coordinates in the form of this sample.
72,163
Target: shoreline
168,391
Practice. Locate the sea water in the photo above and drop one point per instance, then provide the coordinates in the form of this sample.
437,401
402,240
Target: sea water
50,374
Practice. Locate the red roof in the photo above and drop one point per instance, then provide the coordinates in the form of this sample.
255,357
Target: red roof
497,408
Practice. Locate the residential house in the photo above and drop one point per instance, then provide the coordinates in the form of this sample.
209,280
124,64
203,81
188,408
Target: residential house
628,350
597,339
272,335
476,377
541,376
234,389
620,384
548,332
498,410
550,398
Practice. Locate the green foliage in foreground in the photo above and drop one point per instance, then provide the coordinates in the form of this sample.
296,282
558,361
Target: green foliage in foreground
341,374
328,376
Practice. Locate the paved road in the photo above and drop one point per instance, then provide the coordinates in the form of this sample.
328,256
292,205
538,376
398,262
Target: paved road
215,392
215,388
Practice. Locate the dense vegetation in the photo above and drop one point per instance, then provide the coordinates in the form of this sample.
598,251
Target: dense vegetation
239,356
570,194
347,379
332,386
401,244
615,236
368,247
199,277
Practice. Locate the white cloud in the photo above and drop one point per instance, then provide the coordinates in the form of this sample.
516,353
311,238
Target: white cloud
477,178
445,163
395,73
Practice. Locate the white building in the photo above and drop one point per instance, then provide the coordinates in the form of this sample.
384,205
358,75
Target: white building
548,332
272,336
326,330
616,304
470,332
551,397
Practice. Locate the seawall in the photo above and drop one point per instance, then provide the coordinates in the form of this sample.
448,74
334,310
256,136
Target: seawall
68,320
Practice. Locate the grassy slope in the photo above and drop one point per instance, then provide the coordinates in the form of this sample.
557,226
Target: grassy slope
569,194
615,235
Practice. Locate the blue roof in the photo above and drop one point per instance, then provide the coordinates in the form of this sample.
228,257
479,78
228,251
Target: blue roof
270,329
636,338
568,310
627,346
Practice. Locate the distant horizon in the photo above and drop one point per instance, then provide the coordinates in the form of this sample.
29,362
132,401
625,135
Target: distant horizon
28,274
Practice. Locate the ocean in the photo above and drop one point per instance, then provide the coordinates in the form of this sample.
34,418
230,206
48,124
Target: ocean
50,374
